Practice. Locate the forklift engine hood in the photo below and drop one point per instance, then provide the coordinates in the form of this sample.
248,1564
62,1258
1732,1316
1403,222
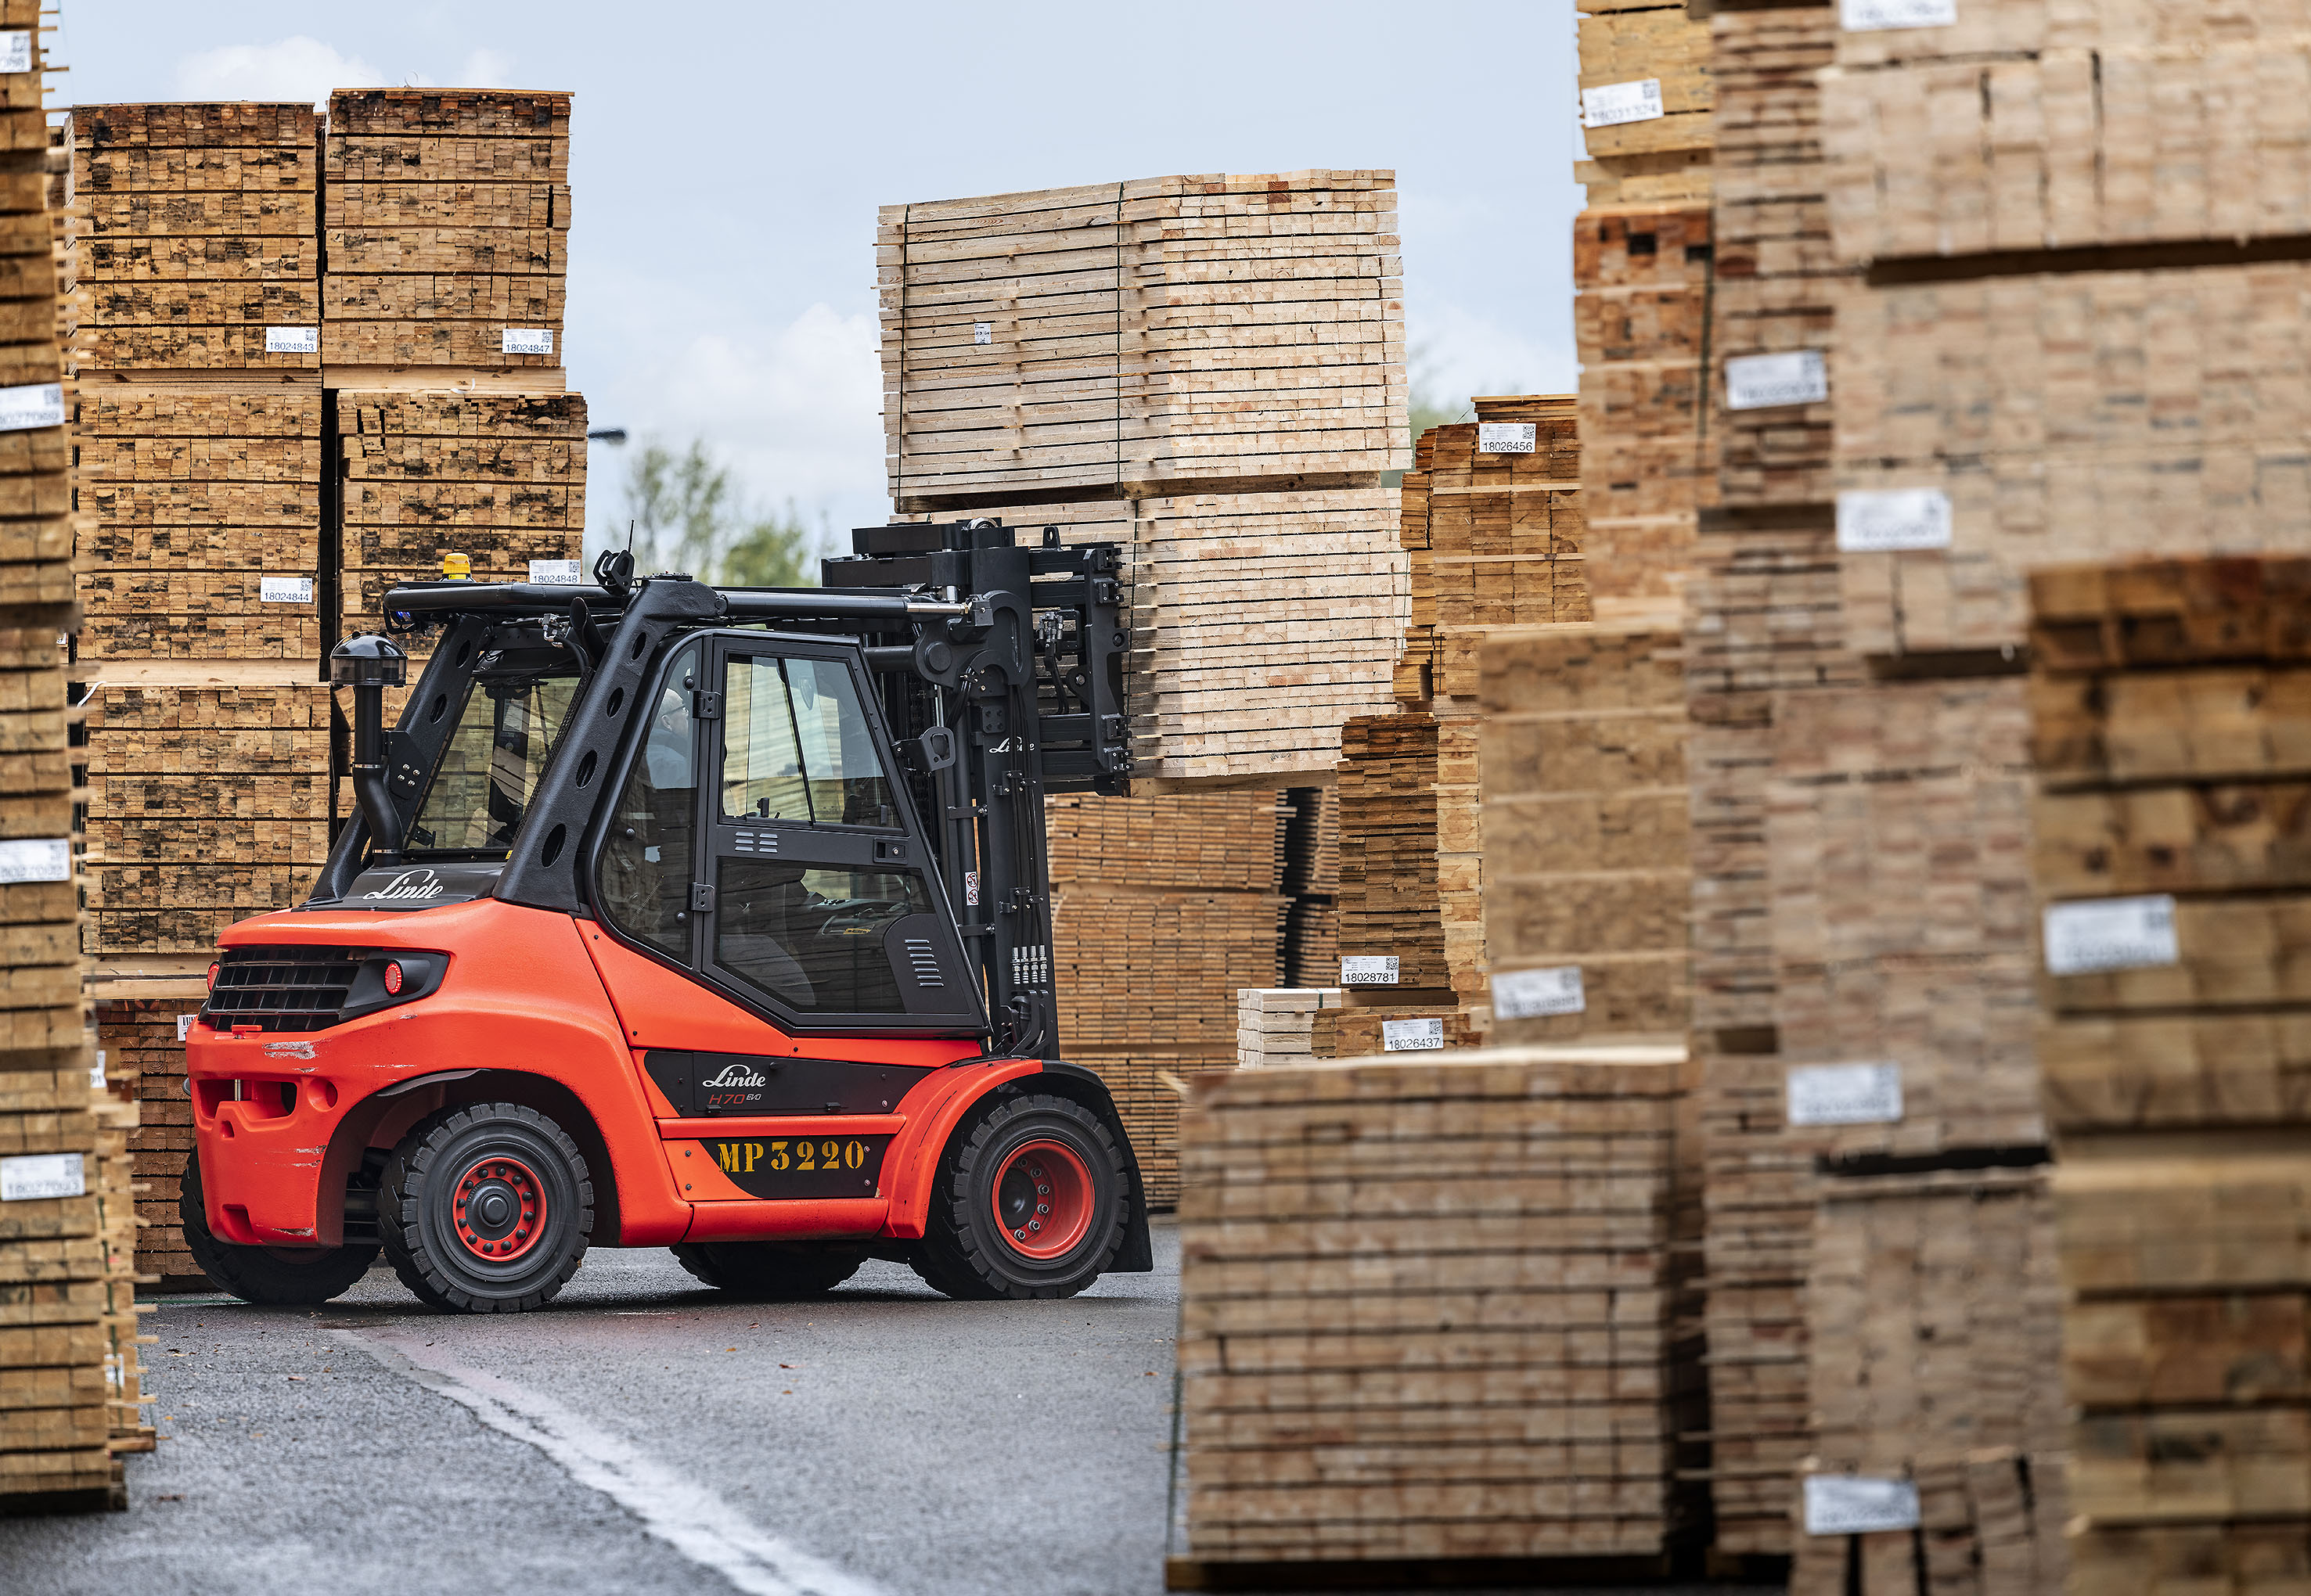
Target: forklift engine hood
418,886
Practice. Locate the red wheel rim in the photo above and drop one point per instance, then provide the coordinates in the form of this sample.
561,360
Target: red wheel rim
1044,1200
499,1208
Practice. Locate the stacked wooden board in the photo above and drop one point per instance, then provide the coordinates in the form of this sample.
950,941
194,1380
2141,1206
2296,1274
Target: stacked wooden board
1931,1300
1586,892
1427,1309
248,507
68,1363
1312,886
2171,723
447,222
1209,371
1642,269
1162,909
1761,628
1276,1025
1493,535
1493,524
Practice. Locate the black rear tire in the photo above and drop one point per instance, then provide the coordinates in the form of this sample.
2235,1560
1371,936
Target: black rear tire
485,1209
1031,1201
275,1277
769,1270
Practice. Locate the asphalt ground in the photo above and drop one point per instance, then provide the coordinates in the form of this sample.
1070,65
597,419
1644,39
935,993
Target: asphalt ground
643,1434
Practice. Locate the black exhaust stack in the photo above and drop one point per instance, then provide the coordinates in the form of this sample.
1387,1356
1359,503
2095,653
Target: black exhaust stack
369,663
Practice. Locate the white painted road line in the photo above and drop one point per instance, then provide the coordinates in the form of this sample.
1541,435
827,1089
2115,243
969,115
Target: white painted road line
680,1512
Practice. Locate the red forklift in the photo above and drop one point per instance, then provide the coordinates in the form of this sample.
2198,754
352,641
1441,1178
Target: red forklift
715,919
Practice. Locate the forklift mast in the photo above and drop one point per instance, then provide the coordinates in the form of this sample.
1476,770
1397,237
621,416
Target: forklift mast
997,669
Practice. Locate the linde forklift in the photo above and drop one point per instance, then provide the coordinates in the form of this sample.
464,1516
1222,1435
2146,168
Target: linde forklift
716,919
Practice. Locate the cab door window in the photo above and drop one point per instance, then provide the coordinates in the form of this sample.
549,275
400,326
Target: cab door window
798,747
644,873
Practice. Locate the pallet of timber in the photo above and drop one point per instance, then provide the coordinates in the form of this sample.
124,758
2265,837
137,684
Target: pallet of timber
2031,127
1276,1025
500,478
1933,1317
143,1042
1150,967
1232,841
1953,510
200,247
1587,891
1647,94
1145,1085
1353,1392
1166,330
447,225
1411,854
1258,623
1491,539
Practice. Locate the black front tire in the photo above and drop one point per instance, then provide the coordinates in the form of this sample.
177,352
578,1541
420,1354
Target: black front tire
275,1277
769,1270
531,1209
968,1252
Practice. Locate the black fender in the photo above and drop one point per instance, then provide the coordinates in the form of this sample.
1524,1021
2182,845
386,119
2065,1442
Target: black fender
1078,1084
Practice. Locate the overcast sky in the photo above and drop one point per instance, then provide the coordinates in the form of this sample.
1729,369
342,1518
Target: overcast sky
728,156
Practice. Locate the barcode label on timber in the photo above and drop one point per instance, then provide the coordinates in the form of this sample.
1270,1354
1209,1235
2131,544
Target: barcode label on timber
35,859
1849,1505
2111,934
983,332
1885,521
285,590
1760,382
34,1175
1527,994
1411,1035
556,573
15,51
292,341
96,1073
1366,969
1845,1094
35,405
1506,437
1862,16
526,340
184,1024
1612,104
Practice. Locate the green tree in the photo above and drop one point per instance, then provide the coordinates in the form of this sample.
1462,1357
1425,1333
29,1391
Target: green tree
683,513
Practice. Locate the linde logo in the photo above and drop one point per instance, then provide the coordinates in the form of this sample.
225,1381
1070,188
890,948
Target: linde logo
409,883
739,1075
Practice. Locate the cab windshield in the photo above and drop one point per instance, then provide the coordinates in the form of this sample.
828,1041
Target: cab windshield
506,733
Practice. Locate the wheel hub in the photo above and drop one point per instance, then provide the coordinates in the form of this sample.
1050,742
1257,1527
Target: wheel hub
499,1208
1043,1196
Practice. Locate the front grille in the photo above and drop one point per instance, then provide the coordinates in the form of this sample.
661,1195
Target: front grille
281,989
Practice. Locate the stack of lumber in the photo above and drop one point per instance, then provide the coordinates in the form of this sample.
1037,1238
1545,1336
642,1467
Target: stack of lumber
448,221
68,1366
1207,370
1642,266
1276,1025
2170,704
1412,929
500,478
142,1041
1761,628
1163,910
1427,1315
201,462
1586,892
1312,886
1938,1441
1493,535
1167,331
2097,288
199,243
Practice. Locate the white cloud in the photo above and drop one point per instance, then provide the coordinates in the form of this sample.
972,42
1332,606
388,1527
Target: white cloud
484,69
290,69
